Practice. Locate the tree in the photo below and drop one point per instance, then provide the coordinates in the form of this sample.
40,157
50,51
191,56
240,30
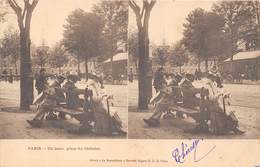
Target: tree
249,29
203,35
10,47
217,42
235,13
82,35
70,41
254,7
144,65
24,16
115,17
178,55
58,57
41,55
160,55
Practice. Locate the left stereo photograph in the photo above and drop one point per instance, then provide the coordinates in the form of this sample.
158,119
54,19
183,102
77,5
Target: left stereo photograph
63,69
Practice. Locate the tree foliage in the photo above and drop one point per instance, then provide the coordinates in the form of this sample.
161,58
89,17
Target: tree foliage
10,45
82,35
160,55
236,15
204,35
178,55
58,56
115,17
41,55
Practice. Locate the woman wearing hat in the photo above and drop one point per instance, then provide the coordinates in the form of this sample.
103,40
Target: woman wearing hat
60,98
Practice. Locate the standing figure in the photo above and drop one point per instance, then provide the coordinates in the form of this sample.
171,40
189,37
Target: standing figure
41,81
197,74
131,75
10,79
158,81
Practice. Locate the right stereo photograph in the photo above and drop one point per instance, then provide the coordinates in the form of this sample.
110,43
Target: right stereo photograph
194,69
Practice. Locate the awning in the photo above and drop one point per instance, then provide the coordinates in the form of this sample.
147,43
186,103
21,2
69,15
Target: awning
245,55
118,57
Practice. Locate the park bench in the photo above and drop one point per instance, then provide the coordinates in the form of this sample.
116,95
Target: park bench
70,112
194,102
105,124
202,110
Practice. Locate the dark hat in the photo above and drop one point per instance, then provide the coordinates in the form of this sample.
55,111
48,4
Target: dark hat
60,77
74,78
160,69
189,76
42,69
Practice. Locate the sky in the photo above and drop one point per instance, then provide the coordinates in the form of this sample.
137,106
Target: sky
48,19
167,19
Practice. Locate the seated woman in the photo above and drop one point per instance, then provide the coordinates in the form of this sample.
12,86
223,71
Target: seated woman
96,116
72,92
49,99
171,94
60,97
162,100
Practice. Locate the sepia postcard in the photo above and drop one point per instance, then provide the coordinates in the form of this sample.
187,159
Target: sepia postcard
129,83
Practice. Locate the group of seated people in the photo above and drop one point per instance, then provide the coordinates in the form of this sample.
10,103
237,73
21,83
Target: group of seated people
175,89
56,95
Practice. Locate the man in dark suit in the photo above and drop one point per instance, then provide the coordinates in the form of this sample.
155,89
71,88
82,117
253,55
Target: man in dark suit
158,79
41,81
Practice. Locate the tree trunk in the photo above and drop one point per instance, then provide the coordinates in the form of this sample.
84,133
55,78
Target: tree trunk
257,13
86,68
16,70
233,47
136,67
144,78
199,65
24,22
180,69
78,64
206,65
111,67
113,50
26,83
59,69
144,64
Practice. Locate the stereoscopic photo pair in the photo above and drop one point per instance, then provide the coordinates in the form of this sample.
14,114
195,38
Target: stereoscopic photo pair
129,69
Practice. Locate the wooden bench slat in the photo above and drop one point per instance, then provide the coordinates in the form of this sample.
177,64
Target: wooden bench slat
68,111
185,110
